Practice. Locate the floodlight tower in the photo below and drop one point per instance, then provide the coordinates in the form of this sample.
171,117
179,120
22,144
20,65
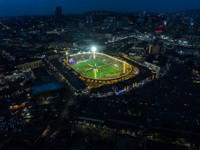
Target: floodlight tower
67,58
124,67
94,50
95,73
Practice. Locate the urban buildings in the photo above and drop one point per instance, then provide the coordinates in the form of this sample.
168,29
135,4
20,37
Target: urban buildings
152,101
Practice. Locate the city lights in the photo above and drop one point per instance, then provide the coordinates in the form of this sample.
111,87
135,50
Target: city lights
100,79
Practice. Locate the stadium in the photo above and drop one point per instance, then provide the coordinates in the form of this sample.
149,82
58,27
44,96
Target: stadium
100,68
101,75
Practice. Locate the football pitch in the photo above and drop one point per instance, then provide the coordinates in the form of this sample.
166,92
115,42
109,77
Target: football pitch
103,71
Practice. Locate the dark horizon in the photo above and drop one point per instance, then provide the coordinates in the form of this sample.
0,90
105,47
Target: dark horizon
80,13
38,8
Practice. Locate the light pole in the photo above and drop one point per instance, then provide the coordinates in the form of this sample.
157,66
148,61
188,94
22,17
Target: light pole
95,73
67,59
124,67
94,50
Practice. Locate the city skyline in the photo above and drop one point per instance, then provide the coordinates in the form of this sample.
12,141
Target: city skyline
92,75
36,7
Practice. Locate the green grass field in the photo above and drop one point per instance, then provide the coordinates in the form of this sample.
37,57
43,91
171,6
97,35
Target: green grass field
104,71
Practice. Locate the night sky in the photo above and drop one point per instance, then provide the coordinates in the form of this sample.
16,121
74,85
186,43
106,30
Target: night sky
43,7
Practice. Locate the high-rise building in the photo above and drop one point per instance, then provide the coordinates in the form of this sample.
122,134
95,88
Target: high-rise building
81,25
89,19
125,21
58,12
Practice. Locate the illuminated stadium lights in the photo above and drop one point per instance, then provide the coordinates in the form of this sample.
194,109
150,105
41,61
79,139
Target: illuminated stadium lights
94,48
67,59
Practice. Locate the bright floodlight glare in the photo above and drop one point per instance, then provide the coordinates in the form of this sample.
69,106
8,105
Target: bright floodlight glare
94,49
